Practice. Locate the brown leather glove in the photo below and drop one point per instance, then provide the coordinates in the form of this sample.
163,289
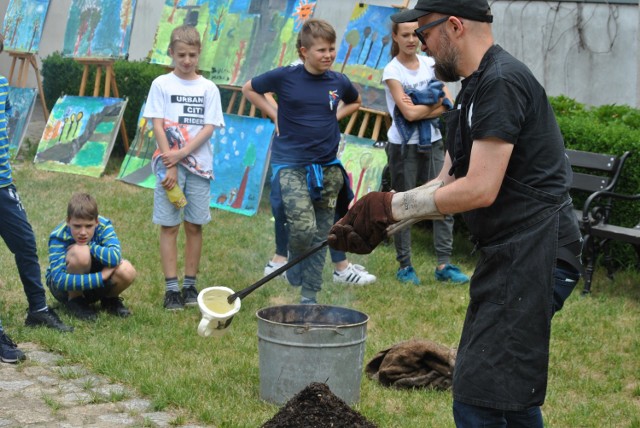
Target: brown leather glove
364,225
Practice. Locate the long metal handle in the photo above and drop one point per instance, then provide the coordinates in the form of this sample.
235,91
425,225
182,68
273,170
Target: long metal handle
243,293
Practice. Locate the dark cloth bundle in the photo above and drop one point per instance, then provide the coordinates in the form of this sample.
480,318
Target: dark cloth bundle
414,364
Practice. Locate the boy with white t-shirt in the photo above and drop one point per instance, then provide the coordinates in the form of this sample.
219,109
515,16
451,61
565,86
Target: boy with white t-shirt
185,109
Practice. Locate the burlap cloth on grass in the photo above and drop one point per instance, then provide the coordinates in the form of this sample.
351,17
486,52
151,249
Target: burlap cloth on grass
414,364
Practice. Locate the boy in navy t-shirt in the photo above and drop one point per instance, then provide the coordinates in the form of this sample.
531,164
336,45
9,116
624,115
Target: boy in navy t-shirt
308,180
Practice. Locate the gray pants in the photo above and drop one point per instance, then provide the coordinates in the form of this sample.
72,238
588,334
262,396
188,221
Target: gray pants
409,171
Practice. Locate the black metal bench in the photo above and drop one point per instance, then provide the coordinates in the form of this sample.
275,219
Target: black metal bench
596,175
599,233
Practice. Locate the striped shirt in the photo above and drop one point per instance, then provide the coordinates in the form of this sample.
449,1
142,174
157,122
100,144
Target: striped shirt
5,109
104,248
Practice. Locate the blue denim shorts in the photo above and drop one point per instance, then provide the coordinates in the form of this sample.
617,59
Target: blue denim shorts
196,189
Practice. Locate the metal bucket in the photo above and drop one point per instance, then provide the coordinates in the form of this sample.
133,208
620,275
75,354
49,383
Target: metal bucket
301,344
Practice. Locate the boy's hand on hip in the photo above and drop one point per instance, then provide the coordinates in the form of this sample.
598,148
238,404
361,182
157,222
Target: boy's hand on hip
364,226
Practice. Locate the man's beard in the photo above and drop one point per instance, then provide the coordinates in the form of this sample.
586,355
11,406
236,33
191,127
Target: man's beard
445,67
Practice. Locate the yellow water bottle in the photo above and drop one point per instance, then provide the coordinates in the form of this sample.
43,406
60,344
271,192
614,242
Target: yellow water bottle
175,194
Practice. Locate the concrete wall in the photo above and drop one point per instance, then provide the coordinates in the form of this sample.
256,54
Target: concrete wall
586,51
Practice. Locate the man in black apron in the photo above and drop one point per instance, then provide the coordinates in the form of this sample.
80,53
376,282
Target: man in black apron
507,173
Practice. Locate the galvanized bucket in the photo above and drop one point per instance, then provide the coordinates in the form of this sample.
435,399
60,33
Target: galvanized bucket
301,344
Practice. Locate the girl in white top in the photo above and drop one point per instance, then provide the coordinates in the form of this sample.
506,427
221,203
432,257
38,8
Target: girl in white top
408,166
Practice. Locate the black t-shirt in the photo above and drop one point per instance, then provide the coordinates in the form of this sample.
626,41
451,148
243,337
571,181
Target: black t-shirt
511,105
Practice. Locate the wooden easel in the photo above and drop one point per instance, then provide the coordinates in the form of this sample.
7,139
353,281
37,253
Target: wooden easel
110,86
27,59
367,113
243,102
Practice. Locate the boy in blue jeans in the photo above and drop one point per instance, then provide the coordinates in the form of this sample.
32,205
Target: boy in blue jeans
308,179
17,233
85,262
184,108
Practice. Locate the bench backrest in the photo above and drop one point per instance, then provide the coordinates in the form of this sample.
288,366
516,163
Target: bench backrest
595,171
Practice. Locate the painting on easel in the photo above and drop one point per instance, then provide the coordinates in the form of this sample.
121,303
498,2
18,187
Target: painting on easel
79,135
22,102
257,37
365,51
241,152
207,16
99,28
23,23
364,162
136,167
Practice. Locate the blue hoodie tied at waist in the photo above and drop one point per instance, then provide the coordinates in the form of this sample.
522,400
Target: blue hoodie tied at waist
428,96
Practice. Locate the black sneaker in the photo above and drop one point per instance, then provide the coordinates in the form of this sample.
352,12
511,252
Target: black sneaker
79,308
9,352
114,306
173,301
47,318
190,296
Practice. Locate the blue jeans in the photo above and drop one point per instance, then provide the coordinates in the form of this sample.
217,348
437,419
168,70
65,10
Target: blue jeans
18,235
566,278
469,416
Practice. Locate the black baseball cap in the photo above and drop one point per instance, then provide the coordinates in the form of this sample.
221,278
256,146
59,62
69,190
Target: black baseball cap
476,10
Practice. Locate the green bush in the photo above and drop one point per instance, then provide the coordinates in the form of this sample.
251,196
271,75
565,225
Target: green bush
609,129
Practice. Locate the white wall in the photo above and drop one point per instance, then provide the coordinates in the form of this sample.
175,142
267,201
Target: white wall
586,51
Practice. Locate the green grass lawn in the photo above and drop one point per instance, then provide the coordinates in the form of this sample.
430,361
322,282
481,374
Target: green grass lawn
595,351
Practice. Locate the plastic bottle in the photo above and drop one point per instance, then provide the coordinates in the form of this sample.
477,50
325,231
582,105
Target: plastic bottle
175,194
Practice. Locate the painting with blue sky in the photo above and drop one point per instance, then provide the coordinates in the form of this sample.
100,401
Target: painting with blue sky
241,152
365,50
23,23
22,101
79,135
99,28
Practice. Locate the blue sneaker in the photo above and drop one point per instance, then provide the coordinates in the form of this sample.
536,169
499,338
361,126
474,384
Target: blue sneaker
9,352
308,301
408,274
451,273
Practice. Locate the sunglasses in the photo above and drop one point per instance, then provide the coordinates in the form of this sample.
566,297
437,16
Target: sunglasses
420,30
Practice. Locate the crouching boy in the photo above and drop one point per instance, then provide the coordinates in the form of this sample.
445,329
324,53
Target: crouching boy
85,262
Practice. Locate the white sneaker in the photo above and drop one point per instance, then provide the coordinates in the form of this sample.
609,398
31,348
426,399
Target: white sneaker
354,274
272,266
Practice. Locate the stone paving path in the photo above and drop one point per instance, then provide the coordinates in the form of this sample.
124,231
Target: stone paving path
45,392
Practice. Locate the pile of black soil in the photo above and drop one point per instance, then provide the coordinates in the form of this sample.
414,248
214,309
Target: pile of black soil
317,407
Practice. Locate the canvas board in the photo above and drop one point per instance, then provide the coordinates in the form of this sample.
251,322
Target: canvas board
136,167
258,36
365,50
79,135
23,24
364,161
241,152
22,102
99,29
207,16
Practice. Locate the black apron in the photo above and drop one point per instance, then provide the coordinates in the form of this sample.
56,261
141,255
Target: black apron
503,354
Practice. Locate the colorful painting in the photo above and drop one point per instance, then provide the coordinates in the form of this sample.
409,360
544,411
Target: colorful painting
208,16
22,101
365,50
136,167
241,153
79,135
99,28
364,161
23,23
258,36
